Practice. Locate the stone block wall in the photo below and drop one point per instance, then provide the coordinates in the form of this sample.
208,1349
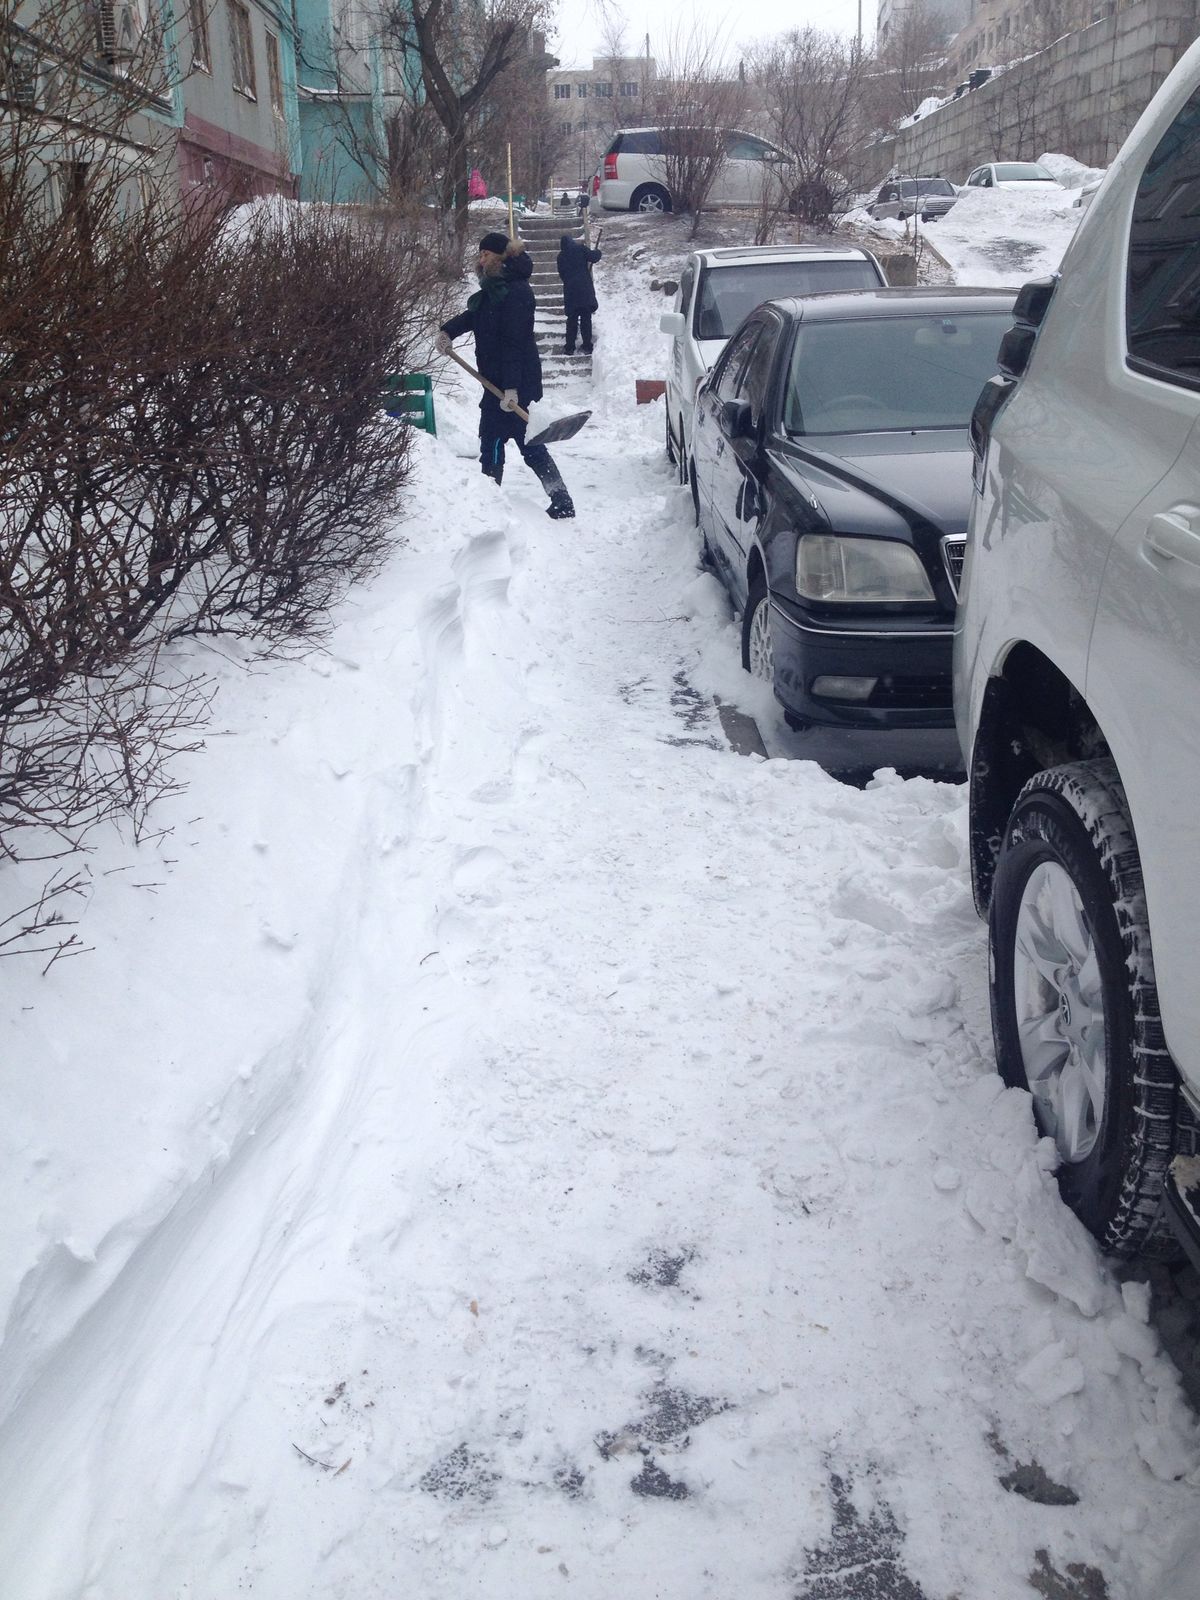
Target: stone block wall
1080,97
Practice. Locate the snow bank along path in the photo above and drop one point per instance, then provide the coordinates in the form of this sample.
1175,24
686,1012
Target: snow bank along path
523,1148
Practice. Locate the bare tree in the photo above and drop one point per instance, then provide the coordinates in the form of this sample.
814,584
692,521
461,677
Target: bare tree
463,48
911,66
1024,113
695,100
814,84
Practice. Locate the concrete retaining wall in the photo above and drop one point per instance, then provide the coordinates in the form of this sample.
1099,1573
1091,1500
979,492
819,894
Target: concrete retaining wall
1081,97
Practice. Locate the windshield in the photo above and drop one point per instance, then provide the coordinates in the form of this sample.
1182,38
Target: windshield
926,186
891,374
1022,172
728,295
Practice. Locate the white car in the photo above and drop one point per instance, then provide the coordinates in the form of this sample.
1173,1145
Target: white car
1077,677
1012,175
633,172
720,287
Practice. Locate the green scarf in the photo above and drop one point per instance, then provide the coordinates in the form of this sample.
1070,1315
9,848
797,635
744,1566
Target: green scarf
494,288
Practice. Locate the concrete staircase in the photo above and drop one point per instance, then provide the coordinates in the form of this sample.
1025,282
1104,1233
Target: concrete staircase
541,233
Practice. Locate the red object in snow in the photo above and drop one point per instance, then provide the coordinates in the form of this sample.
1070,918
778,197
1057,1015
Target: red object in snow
476,188
649,389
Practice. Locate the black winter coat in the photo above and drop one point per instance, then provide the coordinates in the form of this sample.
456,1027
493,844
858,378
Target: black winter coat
579,293
500,315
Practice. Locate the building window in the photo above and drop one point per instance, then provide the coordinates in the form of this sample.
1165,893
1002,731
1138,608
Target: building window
604,91
201,50
562,91
241,49
629,90
581,91
274,75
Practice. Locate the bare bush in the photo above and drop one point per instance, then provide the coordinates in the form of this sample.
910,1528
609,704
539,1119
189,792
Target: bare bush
192,442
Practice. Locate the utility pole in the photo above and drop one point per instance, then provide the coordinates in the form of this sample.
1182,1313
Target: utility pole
860,27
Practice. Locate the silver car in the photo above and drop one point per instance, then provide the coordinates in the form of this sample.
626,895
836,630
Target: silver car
927,198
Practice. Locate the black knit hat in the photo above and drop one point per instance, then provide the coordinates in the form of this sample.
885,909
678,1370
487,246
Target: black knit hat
497,243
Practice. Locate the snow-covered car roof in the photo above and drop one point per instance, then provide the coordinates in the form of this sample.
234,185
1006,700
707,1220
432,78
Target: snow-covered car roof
731,255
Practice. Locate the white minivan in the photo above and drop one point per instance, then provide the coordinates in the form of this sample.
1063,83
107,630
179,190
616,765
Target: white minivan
633,172
1077,680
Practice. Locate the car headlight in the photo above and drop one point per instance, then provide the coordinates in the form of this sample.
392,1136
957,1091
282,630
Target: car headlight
832,570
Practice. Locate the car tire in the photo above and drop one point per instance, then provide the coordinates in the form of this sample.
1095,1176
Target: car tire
650,198
757,654
1074,1006
695,488
671,456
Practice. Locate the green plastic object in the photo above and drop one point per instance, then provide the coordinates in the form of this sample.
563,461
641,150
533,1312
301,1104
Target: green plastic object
409,396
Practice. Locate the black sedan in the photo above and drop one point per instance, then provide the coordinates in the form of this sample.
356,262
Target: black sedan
832,481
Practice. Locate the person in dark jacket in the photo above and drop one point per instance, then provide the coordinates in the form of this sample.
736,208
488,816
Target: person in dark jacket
500,315
579,293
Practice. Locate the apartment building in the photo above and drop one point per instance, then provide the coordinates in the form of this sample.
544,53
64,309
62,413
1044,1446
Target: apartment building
588,103
240,135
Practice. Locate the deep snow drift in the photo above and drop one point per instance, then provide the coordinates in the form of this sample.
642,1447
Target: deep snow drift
504,1142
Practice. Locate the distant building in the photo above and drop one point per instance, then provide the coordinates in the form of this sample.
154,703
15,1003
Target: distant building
588,103
1001,31
956,14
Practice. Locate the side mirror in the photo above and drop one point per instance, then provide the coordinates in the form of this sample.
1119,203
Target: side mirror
1034,299
672,323
735,419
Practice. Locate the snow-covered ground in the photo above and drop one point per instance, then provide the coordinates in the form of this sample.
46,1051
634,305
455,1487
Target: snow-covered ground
503,1142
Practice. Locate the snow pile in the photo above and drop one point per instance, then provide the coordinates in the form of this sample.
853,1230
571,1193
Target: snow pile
502,1141
1070,173
1003,237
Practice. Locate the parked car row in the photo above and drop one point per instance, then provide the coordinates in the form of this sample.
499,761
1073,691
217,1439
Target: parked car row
930,197
983,507
634,175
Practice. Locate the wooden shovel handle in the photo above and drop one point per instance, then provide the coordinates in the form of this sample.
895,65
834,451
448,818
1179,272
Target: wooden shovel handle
487,384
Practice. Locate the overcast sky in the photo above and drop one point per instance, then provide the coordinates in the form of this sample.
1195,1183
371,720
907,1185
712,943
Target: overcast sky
580,31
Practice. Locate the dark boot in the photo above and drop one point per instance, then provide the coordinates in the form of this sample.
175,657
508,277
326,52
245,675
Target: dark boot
540,460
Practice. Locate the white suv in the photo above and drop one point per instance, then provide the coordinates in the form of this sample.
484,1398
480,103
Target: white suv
718,288
633,172
1077,674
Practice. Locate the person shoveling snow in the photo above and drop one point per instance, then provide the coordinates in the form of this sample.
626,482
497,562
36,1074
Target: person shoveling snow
500,315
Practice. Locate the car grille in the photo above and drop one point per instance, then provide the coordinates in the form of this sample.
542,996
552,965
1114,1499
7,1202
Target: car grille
932,693
954,553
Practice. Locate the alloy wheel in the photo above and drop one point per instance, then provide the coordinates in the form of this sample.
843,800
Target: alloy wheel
1059,1002
759,646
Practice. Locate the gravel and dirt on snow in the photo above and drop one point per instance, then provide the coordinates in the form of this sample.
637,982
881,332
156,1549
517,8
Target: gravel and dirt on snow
501,1141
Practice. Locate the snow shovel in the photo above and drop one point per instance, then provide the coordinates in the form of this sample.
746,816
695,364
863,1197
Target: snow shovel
561,428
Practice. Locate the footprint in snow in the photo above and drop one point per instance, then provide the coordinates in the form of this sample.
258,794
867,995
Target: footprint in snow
476,869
